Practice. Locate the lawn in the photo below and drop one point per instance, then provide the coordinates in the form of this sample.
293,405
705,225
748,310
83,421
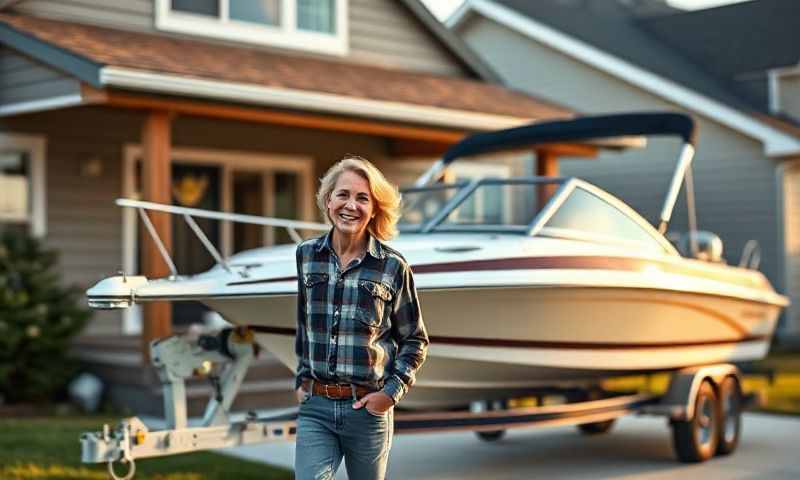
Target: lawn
48,448
776,379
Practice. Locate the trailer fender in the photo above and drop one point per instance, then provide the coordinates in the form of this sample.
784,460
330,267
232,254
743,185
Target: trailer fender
679,400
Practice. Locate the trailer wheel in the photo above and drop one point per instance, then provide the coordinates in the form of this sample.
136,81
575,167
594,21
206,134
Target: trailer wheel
596,428
730,404
491,436
696,440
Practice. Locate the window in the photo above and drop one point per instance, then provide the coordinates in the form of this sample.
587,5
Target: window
589,216
22,183
316,25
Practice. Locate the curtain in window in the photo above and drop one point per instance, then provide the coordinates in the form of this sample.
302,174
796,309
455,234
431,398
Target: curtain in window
316,15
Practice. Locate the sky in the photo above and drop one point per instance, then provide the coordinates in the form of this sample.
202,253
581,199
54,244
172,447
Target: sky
443,8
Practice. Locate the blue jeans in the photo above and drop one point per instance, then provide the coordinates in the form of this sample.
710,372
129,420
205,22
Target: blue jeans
328,430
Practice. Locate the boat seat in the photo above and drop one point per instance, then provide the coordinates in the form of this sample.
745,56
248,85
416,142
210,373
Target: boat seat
709,246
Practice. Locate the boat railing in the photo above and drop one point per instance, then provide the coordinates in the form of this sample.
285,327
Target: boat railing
189,215
751,255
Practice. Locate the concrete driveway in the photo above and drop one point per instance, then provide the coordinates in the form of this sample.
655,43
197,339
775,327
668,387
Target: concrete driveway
637,447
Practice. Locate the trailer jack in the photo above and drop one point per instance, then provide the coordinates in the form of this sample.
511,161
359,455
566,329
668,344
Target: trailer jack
224,358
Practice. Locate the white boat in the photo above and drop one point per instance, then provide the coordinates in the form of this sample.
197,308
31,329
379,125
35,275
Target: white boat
524,283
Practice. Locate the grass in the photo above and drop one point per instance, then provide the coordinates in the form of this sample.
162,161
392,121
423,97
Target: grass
779,394
48,448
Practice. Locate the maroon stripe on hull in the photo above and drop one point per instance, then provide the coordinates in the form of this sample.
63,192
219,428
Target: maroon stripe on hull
490,342
588,263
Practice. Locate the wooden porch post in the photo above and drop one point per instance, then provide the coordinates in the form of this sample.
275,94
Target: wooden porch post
546,166
156,187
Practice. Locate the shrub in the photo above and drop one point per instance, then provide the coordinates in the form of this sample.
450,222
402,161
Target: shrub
38,317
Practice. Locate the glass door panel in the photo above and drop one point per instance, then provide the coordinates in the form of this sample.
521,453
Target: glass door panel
248,198
286,202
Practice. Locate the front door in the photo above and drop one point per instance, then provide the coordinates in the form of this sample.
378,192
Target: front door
193,186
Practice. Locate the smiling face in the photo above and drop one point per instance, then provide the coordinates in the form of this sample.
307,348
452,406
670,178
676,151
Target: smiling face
350,205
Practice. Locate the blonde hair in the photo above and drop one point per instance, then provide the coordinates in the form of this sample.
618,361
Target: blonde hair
385,196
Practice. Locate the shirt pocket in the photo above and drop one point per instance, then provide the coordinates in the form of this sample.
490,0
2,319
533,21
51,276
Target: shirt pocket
374,302
316,285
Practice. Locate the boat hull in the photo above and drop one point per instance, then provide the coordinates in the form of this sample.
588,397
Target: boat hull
489,343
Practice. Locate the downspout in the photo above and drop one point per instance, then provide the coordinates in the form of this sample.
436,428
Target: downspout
773,91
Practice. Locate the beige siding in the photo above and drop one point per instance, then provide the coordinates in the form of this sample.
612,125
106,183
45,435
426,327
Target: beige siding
83,223
125,14
382,32
789,92
735,182
792,238
24,80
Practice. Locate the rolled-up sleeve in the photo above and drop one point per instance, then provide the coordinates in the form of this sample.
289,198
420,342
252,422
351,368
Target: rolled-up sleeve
408,330
301,340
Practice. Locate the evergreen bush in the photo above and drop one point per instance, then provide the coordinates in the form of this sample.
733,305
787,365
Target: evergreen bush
38,317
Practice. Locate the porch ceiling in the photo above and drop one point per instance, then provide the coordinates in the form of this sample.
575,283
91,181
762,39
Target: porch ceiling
162,64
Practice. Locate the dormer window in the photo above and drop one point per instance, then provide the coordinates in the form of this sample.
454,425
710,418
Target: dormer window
315,25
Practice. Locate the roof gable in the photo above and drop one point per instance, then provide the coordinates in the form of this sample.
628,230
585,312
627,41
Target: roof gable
656,81
747,37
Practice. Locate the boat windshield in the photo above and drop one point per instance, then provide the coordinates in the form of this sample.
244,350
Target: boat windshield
422,204
506,205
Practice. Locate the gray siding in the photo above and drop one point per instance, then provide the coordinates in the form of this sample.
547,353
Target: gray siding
735,183
24,80
382,32
789,93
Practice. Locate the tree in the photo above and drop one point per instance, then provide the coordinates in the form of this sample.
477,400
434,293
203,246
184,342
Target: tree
38,318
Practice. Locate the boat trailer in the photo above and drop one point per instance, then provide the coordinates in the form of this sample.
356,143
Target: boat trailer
701,403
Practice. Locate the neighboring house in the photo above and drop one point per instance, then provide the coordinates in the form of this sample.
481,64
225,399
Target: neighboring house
219,104
734,68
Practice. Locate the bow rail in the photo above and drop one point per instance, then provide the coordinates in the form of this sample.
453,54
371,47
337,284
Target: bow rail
189,214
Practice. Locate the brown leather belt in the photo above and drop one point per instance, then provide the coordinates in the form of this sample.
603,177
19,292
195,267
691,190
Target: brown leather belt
336,391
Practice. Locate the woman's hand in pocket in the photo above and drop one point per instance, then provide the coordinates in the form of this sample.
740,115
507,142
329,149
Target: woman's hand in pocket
376,403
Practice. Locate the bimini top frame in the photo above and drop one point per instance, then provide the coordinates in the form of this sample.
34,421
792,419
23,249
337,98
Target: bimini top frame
587,129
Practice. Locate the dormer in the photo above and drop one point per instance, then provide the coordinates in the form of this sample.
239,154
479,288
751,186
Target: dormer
318,26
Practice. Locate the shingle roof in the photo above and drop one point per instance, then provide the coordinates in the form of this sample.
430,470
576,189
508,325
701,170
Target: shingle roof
198,59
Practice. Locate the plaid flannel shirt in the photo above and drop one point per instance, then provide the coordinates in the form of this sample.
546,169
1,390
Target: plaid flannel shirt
361,324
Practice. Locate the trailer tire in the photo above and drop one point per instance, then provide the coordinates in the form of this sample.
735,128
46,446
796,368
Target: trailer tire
696,440
730,407
596,428
491,436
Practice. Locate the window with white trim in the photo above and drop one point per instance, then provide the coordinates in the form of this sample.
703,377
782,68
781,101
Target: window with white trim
315,25
22,183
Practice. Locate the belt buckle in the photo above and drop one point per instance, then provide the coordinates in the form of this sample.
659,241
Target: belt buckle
327,393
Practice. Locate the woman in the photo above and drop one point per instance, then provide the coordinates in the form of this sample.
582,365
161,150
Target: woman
360,335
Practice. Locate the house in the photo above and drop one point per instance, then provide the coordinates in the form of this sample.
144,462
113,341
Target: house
734,68
221,105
